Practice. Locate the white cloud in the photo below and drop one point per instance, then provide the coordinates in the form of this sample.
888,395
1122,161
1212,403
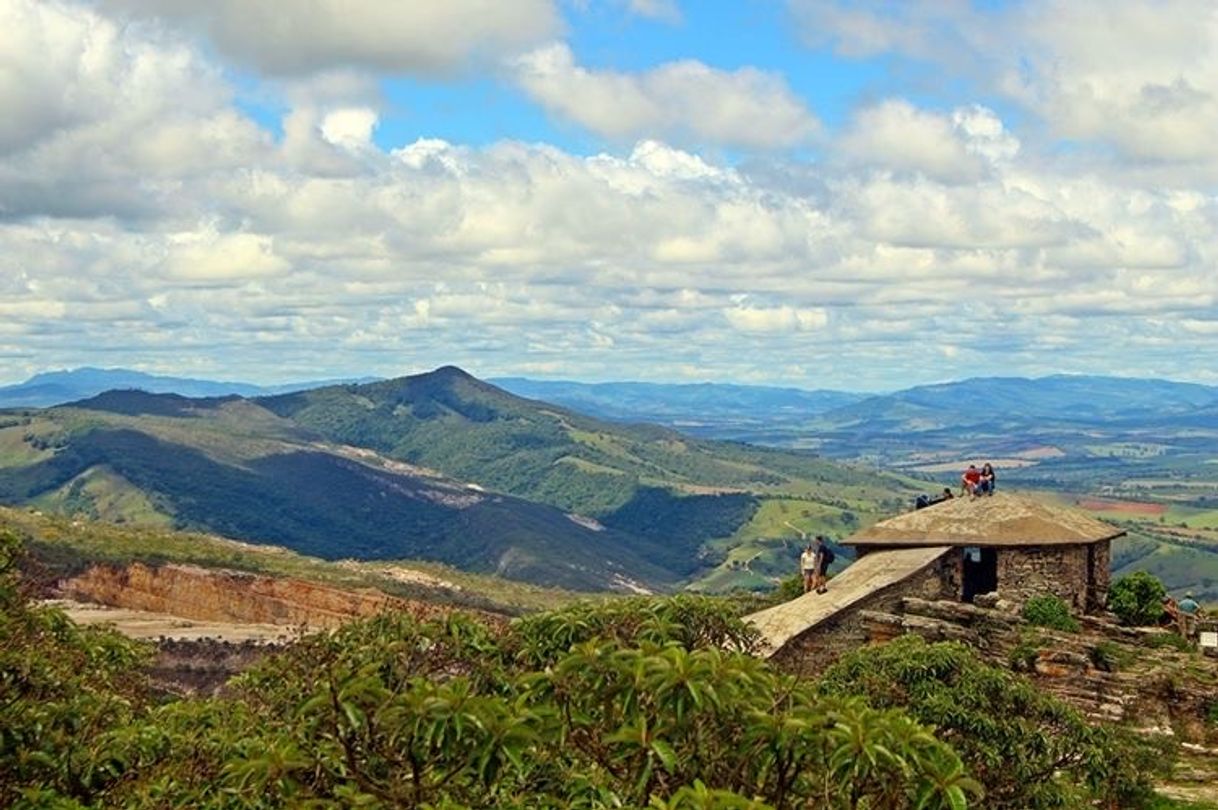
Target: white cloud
775,319
896,135
666,10
1140,76
152,222
296,37
685,100
100,120
207,256
349,127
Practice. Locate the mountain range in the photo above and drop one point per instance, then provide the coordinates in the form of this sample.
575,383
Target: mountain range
446,467
438,466
743,411
705,409
58,387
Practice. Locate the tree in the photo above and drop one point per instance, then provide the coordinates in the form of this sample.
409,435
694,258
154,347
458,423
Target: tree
1137,598
63,691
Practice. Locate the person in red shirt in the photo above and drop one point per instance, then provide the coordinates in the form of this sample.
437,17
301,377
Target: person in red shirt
970,480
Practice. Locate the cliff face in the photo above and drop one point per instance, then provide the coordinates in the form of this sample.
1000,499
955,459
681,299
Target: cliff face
234,596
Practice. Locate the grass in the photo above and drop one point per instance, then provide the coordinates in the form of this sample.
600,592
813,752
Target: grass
15,451
767,547
1207,519
102,494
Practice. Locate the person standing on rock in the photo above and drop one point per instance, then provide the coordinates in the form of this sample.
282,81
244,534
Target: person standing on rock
807,567
1188,609
824,556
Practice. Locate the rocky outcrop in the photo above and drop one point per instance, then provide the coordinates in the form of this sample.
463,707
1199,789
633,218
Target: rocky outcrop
1109,672
236,596
202,666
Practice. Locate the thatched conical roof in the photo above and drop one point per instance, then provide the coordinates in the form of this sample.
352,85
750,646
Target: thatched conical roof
1000,519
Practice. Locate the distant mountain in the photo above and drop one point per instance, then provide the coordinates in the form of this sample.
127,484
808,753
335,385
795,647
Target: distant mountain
1059,398
693,406
58,387
438,466
641,479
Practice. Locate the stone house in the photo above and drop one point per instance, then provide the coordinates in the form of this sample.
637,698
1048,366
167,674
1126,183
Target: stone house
956,550
1015,545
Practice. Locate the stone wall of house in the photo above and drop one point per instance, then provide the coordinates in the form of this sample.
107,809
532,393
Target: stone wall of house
1030,571
820,646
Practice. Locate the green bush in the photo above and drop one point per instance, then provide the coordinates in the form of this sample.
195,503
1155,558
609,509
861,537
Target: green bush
640,703
1173,640
1024,655
1211,713
1137,599
1049,611
1028,749
1109,656
63,690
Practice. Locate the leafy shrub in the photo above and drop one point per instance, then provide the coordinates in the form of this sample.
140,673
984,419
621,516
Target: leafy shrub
1173,640
1027,748
63,690
1137,599
1211,713
1049,611
1109,656
1024,655
648,705
688,620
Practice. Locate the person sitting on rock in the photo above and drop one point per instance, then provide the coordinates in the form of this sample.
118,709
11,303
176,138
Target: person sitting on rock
988,480
970,480
1171,612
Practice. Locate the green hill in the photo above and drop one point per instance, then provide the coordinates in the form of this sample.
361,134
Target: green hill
441,467
640,479
232,468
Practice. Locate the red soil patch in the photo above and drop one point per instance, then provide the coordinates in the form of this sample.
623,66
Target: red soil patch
1127,507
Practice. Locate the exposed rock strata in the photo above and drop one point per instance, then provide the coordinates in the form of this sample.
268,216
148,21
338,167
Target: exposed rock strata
236,596
1107,671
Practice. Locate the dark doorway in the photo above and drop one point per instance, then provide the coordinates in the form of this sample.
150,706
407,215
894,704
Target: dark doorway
980,572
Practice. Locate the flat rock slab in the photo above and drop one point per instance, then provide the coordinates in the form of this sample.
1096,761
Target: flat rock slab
872,573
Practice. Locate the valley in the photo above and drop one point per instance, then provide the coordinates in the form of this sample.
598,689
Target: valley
1141,453
445,467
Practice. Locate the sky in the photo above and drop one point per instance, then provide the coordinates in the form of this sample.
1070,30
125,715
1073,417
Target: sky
813,193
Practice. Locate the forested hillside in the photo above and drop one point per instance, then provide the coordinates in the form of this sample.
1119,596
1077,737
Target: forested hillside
640,703
439,467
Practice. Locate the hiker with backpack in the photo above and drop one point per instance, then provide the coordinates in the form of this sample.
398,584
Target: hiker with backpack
824,556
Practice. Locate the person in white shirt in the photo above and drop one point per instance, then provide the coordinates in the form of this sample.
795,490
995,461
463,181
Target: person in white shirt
807,567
